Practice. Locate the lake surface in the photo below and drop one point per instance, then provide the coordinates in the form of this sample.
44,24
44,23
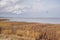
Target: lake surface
38,20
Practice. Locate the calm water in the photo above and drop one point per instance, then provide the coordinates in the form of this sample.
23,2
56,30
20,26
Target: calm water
38,20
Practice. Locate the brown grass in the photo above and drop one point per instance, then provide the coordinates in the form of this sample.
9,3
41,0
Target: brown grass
38,31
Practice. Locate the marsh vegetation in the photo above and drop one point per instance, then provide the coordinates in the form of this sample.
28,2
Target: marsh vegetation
29,31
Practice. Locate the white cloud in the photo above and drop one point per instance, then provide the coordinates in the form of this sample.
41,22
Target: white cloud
18,9
26,6
3,2
14,1
13,7
17,12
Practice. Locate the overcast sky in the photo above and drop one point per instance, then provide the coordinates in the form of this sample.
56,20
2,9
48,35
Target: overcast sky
30,8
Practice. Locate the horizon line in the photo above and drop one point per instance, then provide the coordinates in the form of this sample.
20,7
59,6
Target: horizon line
32,18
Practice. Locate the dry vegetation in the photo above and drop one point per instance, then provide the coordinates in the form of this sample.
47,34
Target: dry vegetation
30,31
1,19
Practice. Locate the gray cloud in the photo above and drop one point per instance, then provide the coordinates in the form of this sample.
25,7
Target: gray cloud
30,8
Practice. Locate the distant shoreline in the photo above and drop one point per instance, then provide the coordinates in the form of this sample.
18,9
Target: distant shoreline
30,18
36,20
